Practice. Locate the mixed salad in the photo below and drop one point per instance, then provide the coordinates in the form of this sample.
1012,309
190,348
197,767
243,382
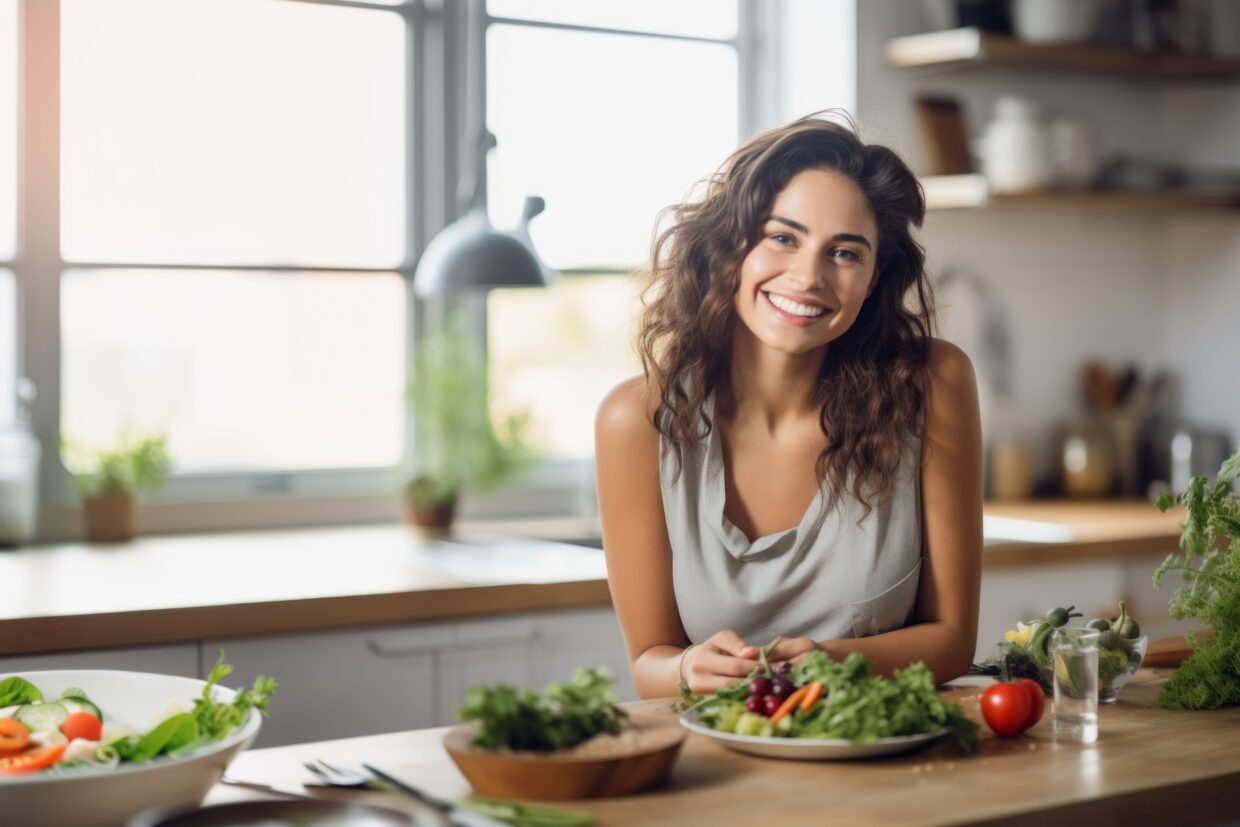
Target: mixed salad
823,698
69,733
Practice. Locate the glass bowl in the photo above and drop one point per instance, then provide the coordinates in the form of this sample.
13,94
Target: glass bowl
1115,667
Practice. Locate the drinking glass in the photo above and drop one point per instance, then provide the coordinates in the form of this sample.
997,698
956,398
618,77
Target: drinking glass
1075,654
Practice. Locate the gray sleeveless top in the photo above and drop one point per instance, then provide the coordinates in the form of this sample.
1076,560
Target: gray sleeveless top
828,577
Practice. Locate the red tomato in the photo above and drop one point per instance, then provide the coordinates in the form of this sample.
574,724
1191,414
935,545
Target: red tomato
1037,701
82,725
31,760
1005,706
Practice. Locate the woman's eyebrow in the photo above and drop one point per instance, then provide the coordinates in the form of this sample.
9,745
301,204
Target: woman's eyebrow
801,228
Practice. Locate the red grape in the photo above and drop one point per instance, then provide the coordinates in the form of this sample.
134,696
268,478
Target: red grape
754,704
771,704
782,687
760,686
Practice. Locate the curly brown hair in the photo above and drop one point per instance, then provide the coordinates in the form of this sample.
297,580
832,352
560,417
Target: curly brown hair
871,389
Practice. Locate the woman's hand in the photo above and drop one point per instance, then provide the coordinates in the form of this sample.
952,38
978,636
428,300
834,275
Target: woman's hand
722,659
792,649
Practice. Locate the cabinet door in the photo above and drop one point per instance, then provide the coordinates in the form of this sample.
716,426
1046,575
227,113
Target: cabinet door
485,651
582,637
179,660
340,684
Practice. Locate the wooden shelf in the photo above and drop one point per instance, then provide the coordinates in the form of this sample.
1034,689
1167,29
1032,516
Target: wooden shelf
954,192
957,48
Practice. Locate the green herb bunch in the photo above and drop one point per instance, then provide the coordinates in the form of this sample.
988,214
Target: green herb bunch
135,463
1209,562
561,716
457,443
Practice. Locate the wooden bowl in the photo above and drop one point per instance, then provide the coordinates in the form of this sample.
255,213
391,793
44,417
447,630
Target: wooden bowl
596,769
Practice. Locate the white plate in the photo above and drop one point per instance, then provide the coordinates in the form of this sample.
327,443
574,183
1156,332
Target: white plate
809,749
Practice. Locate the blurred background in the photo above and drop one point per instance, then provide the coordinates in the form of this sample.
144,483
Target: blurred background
212,213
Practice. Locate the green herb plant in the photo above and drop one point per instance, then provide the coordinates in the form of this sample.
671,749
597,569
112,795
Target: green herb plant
135,463
561,716
1209,563
457,443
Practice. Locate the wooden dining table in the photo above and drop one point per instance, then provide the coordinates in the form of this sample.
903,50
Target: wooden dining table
1148,766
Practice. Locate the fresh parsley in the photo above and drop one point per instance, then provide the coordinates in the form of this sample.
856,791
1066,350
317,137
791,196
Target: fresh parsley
561,716
1209,562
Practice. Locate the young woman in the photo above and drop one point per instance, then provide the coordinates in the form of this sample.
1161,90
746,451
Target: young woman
800,459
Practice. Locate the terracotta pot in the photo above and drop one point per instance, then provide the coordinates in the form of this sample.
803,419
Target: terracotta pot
431,521
109,518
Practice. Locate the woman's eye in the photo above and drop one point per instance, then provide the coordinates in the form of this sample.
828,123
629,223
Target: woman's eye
782,238
844,252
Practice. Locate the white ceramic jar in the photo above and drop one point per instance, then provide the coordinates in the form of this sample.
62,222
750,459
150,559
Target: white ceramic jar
1015,148
1055,21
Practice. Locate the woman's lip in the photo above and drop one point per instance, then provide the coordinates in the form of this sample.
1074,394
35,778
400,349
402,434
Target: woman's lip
792,318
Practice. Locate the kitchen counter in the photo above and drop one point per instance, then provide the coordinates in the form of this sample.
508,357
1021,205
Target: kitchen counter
1149,766
173,589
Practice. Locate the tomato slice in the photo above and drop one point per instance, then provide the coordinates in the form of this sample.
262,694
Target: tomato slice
82,725
32,760
14,736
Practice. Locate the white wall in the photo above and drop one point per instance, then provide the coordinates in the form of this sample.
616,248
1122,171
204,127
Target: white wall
1158,291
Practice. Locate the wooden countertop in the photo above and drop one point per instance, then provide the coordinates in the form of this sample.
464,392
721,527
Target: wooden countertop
1149,766
160,590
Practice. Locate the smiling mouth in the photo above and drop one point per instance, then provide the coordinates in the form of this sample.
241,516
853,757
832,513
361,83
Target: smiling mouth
792,308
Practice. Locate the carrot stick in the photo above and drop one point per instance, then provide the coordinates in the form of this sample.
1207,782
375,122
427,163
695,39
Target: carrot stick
789,704
812,696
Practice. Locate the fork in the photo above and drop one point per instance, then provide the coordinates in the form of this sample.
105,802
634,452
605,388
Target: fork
353,780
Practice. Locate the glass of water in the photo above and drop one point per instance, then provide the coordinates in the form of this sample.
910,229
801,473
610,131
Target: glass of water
1075,654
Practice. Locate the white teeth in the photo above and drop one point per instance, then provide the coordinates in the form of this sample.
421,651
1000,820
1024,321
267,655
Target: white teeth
795,308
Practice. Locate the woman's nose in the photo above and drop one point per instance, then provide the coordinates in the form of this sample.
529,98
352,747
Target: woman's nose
807,272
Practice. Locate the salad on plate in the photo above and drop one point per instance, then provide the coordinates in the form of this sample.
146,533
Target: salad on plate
70,733
821,700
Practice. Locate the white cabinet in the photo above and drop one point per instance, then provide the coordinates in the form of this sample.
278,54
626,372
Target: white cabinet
339,684
179,660
343,684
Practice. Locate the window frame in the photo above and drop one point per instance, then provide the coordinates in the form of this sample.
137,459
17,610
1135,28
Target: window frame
438,43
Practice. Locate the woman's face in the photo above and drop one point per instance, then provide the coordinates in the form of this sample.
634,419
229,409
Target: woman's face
802,285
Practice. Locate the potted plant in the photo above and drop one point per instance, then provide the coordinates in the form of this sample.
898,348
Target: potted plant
108,479
457,446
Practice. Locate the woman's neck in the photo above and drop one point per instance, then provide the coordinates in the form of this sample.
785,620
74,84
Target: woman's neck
770,387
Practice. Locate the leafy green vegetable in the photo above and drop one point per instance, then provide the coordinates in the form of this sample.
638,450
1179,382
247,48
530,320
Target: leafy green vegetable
1209,562
171,734
215,719
526,815
561,716
17,690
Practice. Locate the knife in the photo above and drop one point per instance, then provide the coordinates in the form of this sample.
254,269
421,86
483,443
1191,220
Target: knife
455,815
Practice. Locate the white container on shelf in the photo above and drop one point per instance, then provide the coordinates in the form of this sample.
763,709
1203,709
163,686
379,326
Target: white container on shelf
1015,148
1055,21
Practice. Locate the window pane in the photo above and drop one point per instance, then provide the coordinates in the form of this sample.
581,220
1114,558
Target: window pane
555,354
8,129
8,346
699,18
243,371
270,133
625,133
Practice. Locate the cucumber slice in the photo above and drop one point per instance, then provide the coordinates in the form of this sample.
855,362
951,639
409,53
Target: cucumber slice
73,692
80,704
42,717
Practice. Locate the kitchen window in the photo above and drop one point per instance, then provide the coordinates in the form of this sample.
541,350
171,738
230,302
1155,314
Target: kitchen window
220,203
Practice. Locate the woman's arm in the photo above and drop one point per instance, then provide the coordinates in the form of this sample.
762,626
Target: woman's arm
944,631
639,556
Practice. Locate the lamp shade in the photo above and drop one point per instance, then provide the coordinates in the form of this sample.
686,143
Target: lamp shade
470,254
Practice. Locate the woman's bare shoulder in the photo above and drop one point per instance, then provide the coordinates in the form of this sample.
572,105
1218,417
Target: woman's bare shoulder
627,412
950,367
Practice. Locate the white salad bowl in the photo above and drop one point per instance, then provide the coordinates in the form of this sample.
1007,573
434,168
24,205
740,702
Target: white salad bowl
92,797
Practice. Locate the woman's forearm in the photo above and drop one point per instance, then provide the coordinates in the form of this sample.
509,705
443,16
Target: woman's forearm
655,671
945,650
